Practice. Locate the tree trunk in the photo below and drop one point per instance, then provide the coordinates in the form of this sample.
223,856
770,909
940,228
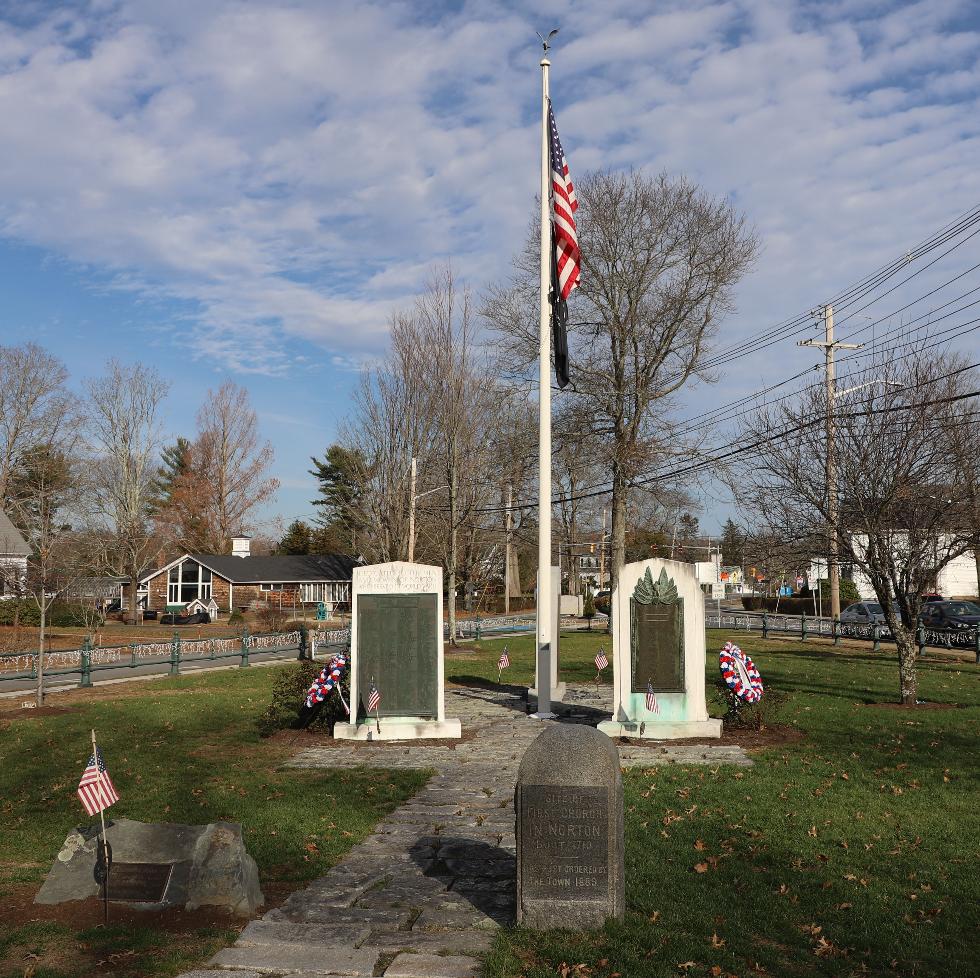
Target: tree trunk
618,535
39,696
134,583
452,586
976,559
907,679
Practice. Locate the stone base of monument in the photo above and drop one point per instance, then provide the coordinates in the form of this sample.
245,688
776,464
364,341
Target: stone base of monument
157,865
557,692
399,728
665,730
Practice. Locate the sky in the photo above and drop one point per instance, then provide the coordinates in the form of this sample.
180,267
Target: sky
248,190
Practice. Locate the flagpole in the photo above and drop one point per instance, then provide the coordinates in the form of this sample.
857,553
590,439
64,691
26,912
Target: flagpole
105,841
544,424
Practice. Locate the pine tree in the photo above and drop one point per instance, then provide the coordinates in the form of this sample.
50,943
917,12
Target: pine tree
297,540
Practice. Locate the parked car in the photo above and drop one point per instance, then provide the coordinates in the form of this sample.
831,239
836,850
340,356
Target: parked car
950,616
863,613
199,618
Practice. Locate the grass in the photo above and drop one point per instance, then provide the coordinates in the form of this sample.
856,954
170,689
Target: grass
850,852
179,750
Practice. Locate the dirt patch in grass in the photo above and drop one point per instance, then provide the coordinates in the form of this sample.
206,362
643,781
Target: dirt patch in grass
18,908
915,707
775,735
18,712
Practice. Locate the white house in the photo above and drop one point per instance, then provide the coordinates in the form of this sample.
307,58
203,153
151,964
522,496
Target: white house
13,558
957,579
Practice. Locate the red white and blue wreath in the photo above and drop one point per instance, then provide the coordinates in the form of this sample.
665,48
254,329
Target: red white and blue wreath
316,695
740,673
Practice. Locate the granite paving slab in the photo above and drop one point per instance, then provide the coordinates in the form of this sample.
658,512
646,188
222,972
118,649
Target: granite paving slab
428,888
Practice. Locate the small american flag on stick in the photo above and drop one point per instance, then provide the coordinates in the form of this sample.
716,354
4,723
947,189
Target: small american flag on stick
374,703
652,705
601,662
503,662
96,790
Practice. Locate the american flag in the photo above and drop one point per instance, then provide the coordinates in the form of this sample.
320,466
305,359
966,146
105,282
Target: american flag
600,660
374,699
96,790
564,206
652,705
504,661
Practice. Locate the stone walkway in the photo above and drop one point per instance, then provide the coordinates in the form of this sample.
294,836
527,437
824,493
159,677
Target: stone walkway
422,896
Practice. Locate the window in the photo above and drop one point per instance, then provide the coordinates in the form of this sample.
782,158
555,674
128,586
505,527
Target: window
271,587
188,581
329,592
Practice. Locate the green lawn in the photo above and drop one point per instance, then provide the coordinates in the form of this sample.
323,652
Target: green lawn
181,750
853,851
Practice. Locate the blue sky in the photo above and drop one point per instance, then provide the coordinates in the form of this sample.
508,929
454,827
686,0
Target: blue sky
248,190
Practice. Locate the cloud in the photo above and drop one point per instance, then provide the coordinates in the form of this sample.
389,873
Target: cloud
288,174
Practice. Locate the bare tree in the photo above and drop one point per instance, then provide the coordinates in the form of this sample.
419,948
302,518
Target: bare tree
33,406
126,437
901,520
660,261
45,485
229,466
392,424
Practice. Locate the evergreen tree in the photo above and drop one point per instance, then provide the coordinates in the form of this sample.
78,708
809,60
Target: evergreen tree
172,473
341,475
297,540
732,544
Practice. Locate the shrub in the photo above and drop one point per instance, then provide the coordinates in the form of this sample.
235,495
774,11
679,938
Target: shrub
747,716
60,614
271,618
288,693
236,618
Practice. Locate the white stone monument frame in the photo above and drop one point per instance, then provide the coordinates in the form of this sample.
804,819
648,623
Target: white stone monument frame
398,577
682,714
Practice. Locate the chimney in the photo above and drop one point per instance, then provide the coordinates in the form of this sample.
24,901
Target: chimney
240,546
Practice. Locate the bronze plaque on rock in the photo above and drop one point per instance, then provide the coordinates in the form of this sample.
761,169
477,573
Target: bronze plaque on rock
139,882
657,640
398,647
565,842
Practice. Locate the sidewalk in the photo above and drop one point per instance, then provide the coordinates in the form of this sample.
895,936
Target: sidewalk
423,896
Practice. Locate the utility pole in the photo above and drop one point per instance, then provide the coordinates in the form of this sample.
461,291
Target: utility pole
411,513
829,345
507,531
602,550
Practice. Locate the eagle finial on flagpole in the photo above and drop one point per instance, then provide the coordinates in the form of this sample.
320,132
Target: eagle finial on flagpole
545,41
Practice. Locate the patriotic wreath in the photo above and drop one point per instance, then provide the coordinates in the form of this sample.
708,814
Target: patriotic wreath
328,679
740,673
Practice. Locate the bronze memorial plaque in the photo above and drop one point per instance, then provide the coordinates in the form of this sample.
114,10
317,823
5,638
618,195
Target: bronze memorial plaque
139,882
398,646
565,842
657,635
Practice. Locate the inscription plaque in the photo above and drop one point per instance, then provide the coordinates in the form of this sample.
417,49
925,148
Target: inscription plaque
565,838
657,646
139,882
398,645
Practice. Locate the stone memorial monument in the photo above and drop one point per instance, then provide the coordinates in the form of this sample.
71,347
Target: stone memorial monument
158,865
558,689
659,654
569,808
396,645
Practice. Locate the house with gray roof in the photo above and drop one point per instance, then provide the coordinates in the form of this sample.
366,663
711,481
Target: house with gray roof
14,552
239,581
